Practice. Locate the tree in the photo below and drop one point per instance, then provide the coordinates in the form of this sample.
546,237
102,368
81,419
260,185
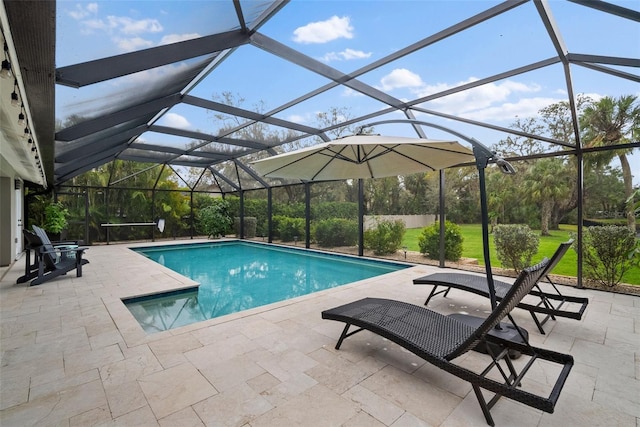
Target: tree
545,183
609,122
554,121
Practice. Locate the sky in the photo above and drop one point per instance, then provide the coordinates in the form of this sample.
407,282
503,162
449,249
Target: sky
348,35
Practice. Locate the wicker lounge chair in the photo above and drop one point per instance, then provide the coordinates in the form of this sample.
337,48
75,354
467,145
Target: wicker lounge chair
439,339
549,304
53,261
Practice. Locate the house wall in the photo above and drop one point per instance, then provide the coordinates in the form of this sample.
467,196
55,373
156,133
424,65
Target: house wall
7,221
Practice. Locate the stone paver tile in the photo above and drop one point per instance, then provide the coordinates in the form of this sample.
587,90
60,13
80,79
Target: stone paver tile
170,351
230,373
620,392
13,391
18,340
235,407
225,349
444,380
142,417
94,417
625,311
79,361
318,406
263,382
580,384
362,419
124,397
410,393
259,327
628,337
105,339
60,384
289,389
504,413
27,353
337,373
573,411
185,418
55,408
175,388
45,364
379,408
283,366
131,368
606,359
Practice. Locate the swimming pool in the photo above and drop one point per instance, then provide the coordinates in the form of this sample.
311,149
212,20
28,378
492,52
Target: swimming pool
239,275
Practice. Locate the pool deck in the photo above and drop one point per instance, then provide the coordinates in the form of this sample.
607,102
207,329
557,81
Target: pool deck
72,355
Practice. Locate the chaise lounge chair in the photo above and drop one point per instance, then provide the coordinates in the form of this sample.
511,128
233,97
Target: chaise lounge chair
439,339
549,304
51,261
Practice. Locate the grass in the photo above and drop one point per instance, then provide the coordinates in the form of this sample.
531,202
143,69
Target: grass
472,248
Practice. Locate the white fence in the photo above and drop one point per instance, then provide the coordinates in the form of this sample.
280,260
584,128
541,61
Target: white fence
410,221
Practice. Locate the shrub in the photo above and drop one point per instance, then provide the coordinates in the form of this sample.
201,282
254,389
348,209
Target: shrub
429,241
55,218
330,210
287,228
608,253
250,225
336,232
515,244
386,238
214,220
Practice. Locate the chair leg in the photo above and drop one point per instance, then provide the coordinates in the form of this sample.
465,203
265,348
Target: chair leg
483,405
433,293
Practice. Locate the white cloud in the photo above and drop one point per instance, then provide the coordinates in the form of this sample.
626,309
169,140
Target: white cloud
324,31
126,25
132,44
299,118
345,55
176,121
497,101
174,38
122,25
81,12
526,107
401,78
350,92
481,97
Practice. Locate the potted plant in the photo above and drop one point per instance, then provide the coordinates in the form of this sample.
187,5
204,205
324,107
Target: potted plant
55,220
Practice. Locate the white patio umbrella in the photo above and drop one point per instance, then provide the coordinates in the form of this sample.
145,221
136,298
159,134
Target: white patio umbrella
375,156
364,156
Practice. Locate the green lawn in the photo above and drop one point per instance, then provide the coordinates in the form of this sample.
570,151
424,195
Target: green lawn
472,248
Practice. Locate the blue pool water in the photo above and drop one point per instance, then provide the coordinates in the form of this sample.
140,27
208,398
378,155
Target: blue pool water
236,276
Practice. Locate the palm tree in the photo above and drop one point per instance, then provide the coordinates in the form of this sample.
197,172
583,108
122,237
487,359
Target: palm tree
546,182
609,122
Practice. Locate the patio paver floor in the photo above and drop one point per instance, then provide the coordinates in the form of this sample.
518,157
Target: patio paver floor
73,355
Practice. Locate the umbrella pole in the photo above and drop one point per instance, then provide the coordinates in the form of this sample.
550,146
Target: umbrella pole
360,217
485,235
483,155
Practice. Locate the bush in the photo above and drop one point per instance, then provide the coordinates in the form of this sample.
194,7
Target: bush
55,218
429,241
250,226
386,238
330,210
287,228
608,253
214,220
515,244
336,232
